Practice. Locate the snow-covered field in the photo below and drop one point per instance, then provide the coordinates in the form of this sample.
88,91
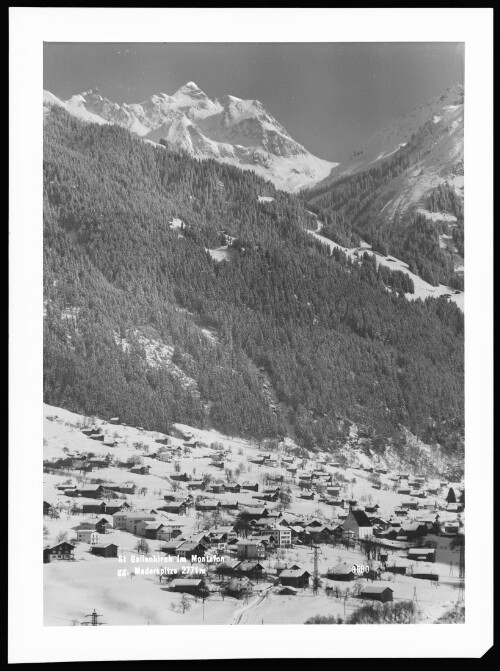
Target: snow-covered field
73,589
423,289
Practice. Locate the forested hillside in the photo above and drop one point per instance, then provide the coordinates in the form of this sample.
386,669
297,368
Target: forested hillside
335,338
355,207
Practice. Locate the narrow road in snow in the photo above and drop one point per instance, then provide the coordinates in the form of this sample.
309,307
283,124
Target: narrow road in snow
239,614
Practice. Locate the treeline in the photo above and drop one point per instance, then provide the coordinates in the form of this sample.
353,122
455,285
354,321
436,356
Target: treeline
334,342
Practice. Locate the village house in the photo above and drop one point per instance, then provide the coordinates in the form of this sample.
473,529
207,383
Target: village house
105,549
141,470
47,507
250,486
98,523
207,506
62,551
87,536
358,522
298,578
187,585
342,571
252,569
283,535
134,519
422,554
196,484
174,508
250,549
94,507
188,550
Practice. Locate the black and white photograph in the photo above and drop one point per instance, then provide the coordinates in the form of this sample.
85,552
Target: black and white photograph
254,288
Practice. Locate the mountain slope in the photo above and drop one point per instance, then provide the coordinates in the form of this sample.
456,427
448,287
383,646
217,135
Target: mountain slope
230,130
403,192
142,322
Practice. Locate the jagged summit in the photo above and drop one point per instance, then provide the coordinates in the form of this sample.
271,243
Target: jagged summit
228,129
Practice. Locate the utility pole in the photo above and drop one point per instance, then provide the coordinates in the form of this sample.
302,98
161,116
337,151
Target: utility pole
93,621
316,580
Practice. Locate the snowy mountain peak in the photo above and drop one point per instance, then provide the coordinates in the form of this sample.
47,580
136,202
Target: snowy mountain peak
229,129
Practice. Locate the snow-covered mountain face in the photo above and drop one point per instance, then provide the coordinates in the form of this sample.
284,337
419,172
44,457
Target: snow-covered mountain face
441,158
230,130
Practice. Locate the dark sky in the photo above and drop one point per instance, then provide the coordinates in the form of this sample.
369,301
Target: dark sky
329,96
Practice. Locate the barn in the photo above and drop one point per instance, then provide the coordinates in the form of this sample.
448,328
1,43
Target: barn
377,593
105,550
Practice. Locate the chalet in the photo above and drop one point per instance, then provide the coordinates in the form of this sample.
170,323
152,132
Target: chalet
320,534
207,506
405,490
234,488
183,477
252,569
292,470
371,509
151,530
112,508
141,470
188,550
89,432
383,471
413,530
167,533
342,571
62,551
237,586
87,536
250,549
450,529
216,488
47,507
171,546
422,554
187,585
196,484
401,511
229,505
97,436
309,497
90,491
174,508
377,593
398,566
94,508
99,524
114,420
255,513
336,502
298,578
122,489
129,521
250,486
105,550
411,505
358,522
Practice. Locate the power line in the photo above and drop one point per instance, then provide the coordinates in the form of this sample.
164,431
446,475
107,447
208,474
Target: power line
93,621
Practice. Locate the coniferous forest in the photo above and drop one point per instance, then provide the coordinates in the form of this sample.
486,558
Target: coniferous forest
337,339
